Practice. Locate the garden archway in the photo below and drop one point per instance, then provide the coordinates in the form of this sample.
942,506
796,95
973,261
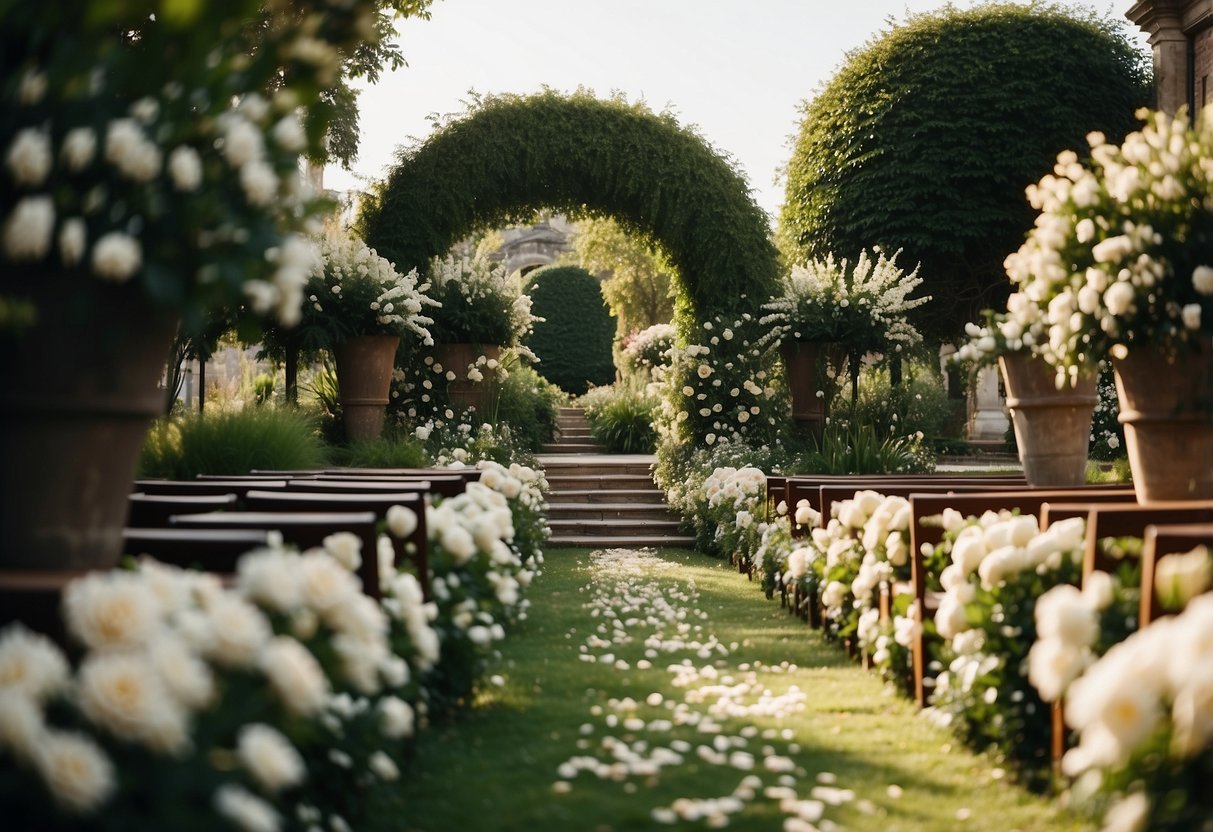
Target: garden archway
511,155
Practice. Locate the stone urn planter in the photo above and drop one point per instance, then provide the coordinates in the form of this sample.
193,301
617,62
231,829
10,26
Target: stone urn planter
1052,426
81,386
1166,406
457,358
807,364
364,375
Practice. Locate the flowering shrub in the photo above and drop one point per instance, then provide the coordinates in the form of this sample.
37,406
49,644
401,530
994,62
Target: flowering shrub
195,705
1119,254
621,417
480,304
864,307
999,565
647,352
722,389
186,180
353,291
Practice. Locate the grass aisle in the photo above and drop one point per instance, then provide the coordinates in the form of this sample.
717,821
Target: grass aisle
762,727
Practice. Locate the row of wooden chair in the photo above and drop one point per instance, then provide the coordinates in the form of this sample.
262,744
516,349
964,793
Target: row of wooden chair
1108,512
209,522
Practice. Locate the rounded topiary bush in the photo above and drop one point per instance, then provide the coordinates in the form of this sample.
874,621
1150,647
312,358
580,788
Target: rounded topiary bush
573,341
926,137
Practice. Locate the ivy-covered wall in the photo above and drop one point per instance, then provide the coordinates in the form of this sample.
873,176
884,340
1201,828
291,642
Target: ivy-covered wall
573,341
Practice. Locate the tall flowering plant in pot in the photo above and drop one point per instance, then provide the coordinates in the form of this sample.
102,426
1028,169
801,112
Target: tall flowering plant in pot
129,200
827,311
483,314
359,308
1119,262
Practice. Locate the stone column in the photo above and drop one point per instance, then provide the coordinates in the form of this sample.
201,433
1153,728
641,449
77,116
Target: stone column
1163,21
987,408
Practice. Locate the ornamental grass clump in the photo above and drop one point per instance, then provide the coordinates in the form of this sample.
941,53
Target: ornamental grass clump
353,291
1119,255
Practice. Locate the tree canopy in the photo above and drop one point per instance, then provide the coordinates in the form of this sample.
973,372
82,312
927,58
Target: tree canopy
637,281
926,138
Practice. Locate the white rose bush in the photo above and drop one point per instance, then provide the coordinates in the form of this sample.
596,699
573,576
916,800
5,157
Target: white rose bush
1137,700
185,185
281,701
1119,255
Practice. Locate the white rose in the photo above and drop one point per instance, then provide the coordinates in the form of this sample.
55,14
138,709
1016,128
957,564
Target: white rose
395,717
950,618
21,726
108,610
237,629
1053,665
79,148
242,142
345,548
1202,280
401,521
1119,298
73,238
295,675
246,810
31,664
383,767
122,693
1191,316
117,256
185,167
289,135
259,182
1063,613
269,757
76,770
1178,578
29,228
29,157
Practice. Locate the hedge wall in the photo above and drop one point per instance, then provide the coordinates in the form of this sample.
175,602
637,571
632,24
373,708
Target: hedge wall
573,342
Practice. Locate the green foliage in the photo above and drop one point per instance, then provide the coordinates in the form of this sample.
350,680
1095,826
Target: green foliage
918,404
527,403
573,341
263,389
231,442
623,419
1107,433
386,452
859,449
927,136
636,274
508,156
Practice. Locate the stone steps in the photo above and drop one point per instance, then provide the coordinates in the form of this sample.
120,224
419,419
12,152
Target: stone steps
607,500
570,447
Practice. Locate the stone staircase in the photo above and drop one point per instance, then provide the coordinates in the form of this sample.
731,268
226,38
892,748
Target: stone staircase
604,500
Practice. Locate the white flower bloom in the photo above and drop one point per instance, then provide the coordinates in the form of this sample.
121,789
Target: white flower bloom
185,168
239,631
73,238
1202,280
1053,665
401,521
242,141
289,135
1191,316
76,770
79,148
1178,578
259,182
383,767
395,717
117,256
185,676
31,664
21,726
122,693
130,151
345,548
295,675
109,610
246,810
29,228
270,578
1132,814
325,584
269,757
1119,298
29,157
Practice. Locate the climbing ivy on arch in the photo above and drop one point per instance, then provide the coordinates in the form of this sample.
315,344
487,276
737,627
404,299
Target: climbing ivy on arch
508,156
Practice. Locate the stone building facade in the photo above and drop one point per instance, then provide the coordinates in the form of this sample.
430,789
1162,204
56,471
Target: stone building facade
1181,36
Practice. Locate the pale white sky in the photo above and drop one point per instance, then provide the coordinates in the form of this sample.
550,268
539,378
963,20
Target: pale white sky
738,69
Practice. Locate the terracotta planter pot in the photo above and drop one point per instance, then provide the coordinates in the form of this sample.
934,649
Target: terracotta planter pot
1166,406
457,358
80,389
1052,426
364,374
806,364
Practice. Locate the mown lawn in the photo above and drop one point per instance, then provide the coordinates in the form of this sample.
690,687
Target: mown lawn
496,767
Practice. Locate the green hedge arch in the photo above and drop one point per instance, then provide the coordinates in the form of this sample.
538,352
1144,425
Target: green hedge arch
573,341
508,156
